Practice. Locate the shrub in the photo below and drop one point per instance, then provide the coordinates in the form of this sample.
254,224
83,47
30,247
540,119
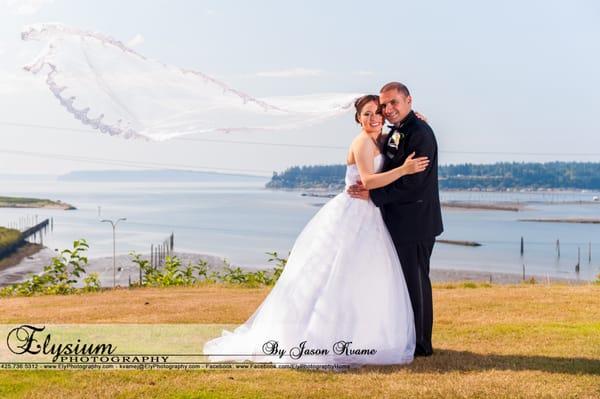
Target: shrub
173,273
92,283
57,278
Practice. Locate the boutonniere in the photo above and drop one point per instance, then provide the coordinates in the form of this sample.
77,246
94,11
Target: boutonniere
395,139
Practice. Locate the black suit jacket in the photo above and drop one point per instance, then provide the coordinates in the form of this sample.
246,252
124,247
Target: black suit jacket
411,205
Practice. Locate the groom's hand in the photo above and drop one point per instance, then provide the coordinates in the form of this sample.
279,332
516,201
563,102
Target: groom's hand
358,191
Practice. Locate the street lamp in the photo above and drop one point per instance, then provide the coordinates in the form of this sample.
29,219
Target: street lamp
114,226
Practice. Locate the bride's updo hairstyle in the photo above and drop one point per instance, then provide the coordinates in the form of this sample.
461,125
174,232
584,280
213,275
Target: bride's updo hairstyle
361,102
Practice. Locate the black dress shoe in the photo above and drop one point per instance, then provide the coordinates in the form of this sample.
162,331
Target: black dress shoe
419,352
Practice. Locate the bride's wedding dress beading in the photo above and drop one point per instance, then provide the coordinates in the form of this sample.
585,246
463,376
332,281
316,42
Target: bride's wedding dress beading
342,283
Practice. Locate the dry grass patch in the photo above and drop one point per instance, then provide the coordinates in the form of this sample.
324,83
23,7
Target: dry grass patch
523,341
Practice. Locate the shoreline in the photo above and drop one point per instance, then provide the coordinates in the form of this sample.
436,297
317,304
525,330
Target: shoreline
126,269
492,205
24,251
34,203
565,220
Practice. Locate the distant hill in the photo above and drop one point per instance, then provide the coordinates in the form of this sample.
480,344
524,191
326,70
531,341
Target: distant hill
154,175
498,176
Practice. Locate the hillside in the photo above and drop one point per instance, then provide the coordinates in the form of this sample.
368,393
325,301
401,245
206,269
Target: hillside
498,176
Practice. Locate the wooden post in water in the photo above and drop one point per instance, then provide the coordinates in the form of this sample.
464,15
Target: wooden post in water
578,259
522,246
558,248
590,252
152,255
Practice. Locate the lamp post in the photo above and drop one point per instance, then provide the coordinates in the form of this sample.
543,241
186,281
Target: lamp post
114,226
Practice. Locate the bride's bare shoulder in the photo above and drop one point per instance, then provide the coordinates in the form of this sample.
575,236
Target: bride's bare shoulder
358,143
359,139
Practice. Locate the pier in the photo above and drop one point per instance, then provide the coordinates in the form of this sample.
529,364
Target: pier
34,231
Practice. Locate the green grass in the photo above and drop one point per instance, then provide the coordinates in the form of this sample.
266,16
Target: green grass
8,236
22,200
491,341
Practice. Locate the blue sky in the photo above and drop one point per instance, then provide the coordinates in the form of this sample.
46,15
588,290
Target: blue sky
499,81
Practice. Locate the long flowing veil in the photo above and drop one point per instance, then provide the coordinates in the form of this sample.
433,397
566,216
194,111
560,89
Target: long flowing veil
111,87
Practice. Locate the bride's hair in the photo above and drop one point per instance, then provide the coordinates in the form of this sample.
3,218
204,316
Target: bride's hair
361,102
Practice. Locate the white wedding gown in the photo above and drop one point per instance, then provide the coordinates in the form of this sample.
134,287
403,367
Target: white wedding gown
342,282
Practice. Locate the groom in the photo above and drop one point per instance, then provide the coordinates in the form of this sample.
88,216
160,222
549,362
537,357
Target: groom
411,205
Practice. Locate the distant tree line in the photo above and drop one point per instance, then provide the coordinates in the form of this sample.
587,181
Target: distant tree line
498,176
319,176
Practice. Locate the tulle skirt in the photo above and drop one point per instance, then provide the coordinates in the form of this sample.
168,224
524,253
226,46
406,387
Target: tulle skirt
341,299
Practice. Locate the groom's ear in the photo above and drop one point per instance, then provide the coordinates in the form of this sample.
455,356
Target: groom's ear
409,99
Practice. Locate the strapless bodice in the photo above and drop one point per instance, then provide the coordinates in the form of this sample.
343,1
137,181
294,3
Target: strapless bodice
352,175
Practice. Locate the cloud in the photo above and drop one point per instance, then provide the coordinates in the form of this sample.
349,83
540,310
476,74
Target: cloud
364,73
290,73
135,41
210,12
26,7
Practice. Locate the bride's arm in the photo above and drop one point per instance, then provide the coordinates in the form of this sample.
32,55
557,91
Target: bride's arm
364,161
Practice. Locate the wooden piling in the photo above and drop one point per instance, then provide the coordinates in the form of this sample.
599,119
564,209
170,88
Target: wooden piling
522,246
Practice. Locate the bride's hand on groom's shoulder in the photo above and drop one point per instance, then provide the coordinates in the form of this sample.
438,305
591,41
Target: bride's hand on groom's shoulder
358,191
421,116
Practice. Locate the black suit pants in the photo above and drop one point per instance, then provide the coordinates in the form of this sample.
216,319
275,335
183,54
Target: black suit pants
414,258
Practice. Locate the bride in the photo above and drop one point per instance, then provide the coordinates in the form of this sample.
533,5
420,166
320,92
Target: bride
341,298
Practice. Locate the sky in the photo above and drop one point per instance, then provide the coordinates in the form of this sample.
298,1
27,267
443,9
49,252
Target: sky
498,81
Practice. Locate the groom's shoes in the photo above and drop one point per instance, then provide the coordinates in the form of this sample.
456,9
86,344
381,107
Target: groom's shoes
422,352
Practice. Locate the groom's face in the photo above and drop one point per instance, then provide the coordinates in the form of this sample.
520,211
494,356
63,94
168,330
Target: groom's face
395,105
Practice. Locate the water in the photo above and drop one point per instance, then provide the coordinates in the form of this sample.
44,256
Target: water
239,220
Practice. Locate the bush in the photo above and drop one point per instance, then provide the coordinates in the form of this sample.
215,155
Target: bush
173,273
92,283
69,267
58,277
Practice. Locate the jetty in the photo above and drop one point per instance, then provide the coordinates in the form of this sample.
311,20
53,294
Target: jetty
33,231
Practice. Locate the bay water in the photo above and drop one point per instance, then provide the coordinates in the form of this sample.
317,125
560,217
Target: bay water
237,218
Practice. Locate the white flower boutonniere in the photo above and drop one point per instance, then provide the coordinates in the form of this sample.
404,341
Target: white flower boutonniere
394,141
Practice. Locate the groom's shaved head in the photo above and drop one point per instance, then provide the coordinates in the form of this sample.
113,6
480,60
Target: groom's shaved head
399,87
395,101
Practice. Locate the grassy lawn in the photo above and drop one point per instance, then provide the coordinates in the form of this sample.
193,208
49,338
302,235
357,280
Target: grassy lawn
9,201
8,236
525,341
22,202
